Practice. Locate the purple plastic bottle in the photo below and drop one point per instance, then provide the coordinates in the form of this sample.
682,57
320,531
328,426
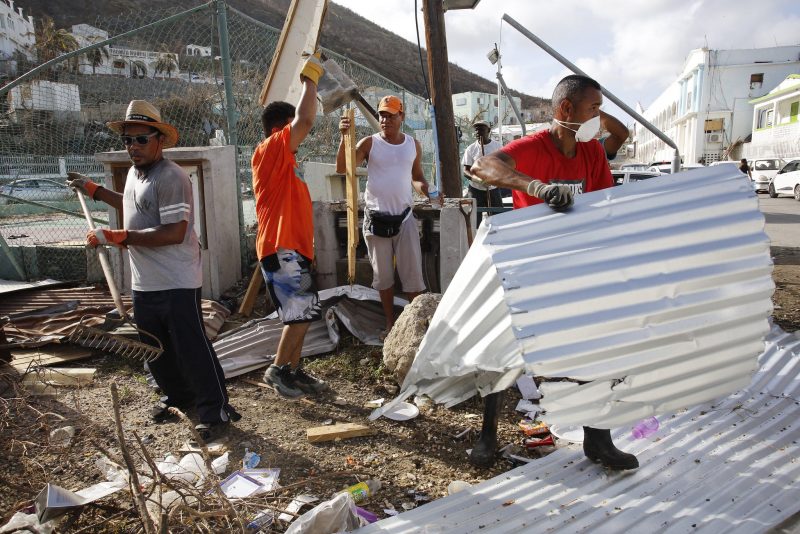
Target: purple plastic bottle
645,428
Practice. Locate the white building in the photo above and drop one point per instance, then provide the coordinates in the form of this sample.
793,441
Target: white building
473,105
16,35
63,100
776,122
198,51
121,61
707,110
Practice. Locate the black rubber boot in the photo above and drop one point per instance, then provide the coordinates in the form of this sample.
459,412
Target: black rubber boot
484,450
598,447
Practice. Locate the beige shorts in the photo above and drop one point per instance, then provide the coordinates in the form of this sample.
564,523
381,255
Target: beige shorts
402,249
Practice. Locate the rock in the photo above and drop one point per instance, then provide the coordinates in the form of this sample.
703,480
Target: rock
403,340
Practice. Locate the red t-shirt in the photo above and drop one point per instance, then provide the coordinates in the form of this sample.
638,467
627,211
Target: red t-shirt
537,156
283,204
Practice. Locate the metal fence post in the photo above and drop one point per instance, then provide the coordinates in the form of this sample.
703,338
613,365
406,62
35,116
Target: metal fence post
232,117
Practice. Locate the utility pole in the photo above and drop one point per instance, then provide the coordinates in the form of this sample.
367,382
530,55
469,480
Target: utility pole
441,96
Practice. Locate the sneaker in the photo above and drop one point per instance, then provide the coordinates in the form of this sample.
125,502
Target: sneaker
307,383
282,379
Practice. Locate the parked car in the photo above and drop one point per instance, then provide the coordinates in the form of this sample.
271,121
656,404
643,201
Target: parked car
786,181
666,168
633,167
763,171
626,176
36,189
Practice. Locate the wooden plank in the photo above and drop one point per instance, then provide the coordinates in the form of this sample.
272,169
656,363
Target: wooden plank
249,300
351,187
339,431
61,376
300,33
25,359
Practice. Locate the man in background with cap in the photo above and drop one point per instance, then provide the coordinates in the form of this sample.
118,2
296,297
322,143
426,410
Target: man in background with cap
486,196
285,239
394,167
166,275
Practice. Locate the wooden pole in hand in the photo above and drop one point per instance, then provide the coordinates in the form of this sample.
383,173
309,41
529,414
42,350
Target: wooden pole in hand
351,187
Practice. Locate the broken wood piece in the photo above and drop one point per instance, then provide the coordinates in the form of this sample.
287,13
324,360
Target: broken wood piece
215,447
351,186
61,376
249,300
26,359
338,431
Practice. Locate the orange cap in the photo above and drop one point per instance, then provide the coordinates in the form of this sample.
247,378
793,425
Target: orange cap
390,103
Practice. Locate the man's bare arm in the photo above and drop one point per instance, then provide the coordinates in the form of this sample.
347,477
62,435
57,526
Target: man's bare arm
617,131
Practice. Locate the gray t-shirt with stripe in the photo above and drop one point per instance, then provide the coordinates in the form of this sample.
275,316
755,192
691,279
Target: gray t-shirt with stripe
162,195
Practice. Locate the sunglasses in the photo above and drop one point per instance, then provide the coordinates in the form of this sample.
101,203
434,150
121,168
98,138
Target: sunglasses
128,140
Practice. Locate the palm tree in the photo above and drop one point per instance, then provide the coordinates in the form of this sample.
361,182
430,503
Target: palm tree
95,57
138,68
52,42
166,63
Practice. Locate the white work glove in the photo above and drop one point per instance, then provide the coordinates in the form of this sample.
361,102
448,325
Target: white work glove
558,197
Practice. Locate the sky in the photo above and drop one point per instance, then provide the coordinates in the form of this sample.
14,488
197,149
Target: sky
633,48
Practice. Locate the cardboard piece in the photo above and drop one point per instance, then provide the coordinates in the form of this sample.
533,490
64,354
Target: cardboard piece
527,387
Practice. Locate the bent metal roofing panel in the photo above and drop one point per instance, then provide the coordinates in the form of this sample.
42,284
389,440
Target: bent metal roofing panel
642,299
730,465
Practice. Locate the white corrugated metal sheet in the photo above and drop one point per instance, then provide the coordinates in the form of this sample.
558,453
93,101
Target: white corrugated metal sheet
647,297
254,344
726,466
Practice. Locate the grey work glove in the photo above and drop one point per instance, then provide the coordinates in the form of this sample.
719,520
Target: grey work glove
558,197
80,181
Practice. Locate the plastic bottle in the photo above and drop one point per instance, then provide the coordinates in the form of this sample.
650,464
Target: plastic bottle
433,195
250,459
363,490
645,428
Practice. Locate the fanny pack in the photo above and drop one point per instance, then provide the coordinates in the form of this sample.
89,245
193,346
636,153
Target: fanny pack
384,224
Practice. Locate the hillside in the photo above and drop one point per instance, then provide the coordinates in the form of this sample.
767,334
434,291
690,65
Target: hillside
343,31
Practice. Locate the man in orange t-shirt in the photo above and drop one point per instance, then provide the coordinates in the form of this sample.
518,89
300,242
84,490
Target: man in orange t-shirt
285,239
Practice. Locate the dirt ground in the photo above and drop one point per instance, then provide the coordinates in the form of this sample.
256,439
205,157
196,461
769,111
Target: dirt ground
414,460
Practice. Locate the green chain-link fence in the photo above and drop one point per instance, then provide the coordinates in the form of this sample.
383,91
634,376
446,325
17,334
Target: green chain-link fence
54,121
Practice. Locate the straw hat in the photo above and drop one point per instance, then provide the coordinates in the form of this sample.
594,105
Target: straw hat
143,112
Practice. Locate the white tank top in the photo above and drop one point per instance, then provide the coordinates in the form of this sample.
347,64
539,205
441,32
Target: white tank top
389,175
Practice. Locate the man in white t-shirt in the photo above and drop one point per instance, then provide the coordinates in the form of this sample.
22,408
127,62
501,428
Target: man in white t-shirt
486,196
394,167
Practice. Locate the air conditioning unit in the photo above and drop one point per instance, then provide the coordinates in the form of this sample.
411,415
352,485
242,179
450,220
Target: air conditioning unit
714,138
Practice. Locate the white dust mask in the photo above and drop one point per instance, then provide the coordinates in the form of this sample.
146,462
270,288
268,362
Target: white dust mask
586,131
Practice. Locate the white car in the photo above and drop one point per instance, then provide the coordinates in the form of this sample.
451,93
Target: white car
786,181
763,171
626,176
36,189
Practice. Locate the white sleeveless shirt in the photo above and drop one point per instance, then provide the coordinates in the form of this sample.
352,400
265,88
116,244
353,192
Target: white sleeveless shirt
389,175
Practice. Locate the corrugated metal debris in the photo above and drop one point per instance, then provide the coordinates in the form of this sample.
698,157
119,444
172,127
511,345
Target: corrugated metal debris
730,466
254,344
46,314
642,299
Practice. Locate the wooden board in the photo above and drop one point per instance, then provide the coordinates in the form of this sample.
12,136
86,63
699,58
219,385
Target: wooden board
25,359
300,34
61,376
351,189
339,431
249,300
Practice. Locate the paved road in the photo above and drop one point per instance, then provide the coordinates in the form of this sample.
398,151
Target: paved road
783,220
